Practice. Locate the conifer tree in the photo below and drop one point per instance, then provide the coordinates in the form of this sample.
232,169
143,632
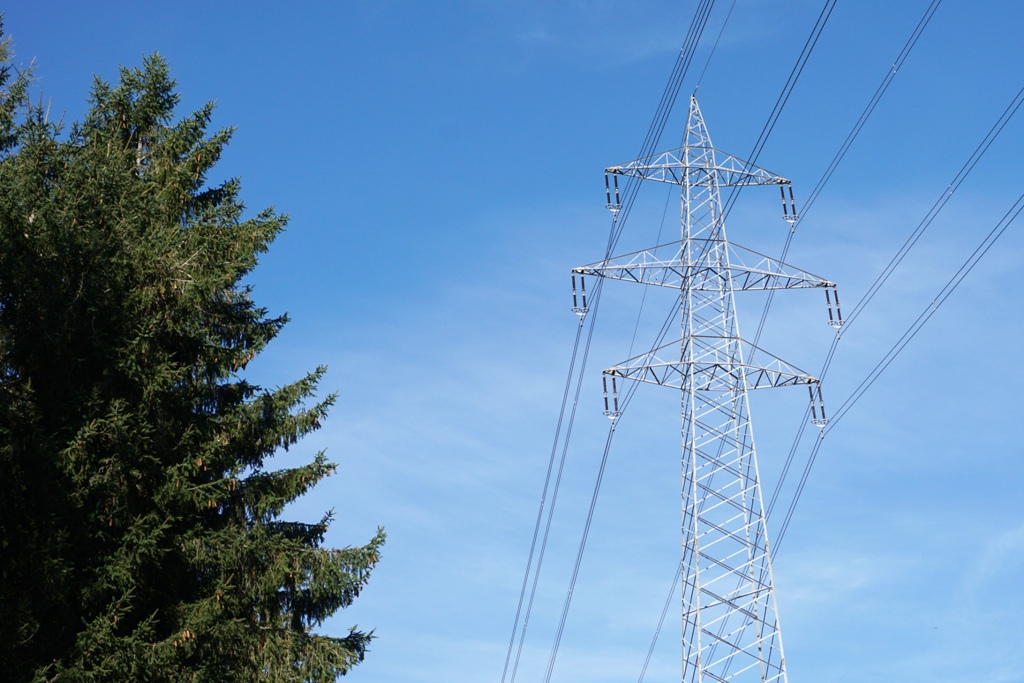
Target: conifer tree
141,536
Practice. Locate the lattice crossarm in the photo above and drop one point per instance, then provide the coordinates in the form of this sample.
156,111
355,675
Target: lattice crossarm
714,168
748,270
644,267
673,274
751,270
667,374
711,377
759,377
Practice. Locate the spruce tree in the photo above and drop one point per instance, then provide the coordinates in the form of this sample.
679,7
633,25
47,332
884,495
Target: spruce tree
140,522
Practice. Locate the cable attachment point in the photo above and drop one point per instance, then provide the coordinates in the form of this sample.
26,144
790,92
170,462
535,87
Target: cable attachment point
612,412
817,405
835,321
615,206
579,302
788,210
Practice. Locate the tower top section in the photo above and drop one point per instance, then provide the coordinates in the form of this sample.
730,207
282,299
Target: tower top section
697,162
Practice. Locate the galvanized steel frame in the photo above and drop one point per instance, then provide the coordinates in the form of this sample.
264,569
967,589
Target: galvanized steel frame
731,627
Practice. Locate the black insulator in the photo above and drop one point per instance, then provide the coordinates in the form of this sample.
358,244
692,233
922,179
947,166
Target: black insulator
583,290
615,396
618,202
574,306
782,193
604,383
607,190
835,293
821,404
792,202
828,300
814,413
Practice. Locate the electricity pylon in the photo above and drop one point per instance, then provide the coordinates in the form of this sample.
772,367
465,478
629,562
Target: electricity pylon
730,619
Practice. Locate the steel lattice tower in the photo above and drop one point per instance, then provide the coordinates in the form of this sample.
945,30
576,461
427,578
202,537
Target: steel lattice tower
730,619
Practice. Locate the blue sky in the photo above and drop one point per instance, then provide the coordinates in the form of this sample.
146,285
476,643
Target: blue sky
442,165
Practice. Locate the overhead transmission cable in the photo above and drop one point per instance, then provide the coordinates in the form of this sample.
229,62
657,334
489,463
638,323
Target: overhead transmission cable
958,277
664,110
787,90
654,135
623,404
962,272
540,511
773,117
714,48
680,68
651,140
947,193
869,109
954,185
887,80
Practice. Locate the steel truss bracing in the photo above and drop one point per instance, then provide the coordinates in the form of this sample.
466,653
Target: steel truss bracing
648,268
730,622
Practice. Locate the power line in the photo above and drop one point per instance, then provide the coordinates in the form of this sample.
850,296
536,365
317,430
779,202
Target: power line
540,513
714,48
958,179
922,24
869,109
965,268
579,556
787,90
947,289
661,621
679,71
944,197
887,80
654,135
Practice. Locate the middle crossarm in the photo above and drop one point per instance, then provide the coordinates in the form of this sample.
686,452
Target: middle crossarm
711,368
748,270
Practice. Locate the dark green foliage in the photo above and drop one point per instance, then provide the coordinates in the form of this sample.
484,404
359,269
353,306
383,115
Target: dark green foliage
140,536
